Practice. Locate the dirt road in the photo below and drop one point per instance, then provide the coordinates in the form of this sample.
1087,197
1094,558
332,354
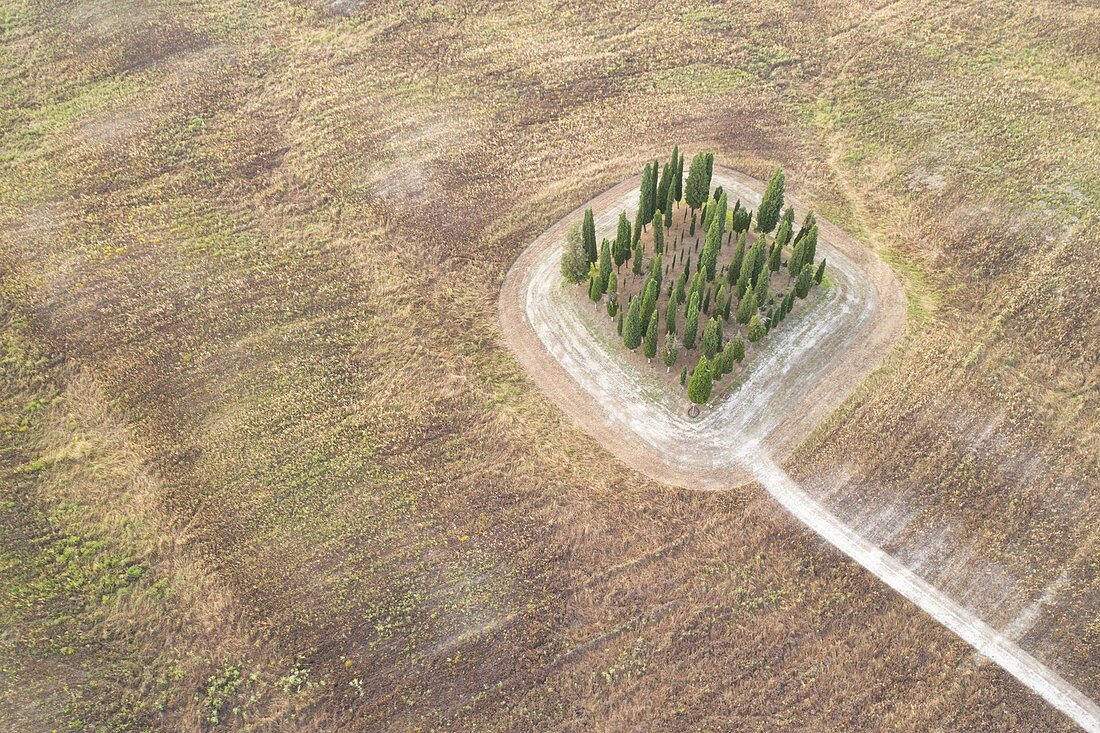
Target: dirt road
812,363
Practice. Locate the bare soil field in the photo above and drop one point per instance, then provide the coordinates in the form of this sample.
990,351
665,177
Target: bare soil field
267,460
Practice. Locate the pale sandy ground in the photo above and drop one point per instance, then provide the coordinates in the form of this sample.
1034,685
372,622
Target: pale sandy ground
811,364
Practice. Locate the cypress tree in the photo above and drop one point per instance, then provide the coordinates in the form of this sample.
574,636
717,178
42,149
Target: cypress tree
723,301
820,272
650,347
759,259
706,300
712,337
734,270
612,292
621,250
698,183
747,307
632,330
744,277
783,234
810,243
658,232
760,290
807,224
619,325
691,321
595,289
738,350
671,353
670,202
710,173
574,260
663,185
774,260
772,203
726,360
805,279
704,215
639,222
742,218
720,210
649,301
756,328
671,308
651,193
605,262
701,382
680,293
644,202
678,180
710,251
636,267
788,216
691,232
588,232
794,265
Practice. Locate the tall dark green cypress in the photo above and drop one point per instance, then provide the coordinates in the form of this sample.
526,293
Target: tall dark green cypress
605,263
701,384
691,321
774,260
678,180
746,307
649,300
734,270
632,329
767,215
663,185
820,272
783,234
621,251
671,308
588,232
710,252
697,188
650,349
659,232
805,280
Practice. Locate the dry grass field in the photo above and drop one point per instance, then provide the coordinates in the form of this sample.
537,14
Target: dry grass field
266,463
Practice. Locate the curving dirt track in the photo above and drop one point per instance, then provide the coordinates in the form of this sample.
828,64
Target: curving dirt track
812,363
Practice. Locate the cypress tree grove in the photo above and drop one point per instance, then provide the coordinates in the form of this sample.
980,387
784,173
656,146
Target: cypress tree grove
712,337
747,307
805,279
772,204
671,309
738,350
756,328
701,382
658,232
588,231
820,272
650,346
691,321
671,353
605,263
632,329
697,187
621,251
